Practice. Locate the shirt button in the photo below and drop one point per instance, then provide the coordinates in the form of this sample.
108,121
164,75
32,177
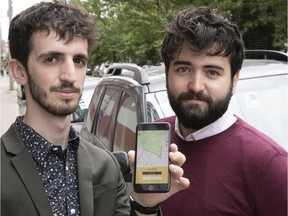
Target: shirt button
55,148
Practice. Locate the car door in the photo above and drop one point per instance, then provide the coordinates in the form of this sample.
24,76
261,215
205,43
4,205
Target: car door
125,125
130,111
114,111
104,121
99,122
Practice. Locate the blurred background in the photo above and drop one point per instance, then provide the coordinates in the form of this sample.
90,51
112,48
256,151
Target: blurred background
131,30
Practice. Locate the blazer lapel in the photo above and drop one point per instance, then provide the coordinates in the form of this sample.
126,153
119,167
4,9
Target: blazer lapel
85,181
25,166
30,176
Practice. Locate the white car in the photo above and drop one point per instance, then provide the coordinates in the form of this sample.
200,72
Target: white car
77,118
120,102
261,99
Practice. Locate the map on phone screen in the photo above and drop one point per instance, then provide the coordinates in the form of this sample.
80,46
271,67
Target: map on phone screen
152,157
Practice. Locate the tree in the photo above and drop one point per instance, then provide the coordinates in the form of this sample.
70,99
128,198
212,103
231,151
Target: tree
131,30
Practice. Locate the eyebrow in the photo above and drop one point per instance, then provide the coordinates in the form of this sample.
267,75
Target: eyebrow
50,53
180,62
55,53
212,66
83,56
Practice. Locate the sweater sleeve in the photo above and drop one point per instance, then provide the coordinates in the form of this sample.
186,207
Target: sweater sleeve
271,190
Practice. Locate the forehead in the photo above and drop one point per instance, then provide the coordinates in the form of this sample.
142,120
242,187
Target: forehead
43,41
199,59
186,49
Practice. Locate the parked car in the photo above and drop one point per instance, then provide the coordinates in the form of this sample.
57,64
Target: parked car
99,70
88,71
21,92
120,102
261,99
263,57
267,54
77,118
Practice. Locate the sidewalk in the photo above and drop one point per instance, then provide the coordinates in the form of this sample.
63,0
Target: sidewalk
9,108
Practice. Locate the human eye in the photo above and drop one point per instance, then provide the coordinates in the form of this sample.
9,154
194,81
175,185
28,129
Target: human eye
50,59
81,61
213,73
182,70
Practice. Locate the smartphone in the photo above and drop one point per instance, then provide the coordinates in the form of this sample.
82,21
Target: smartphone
151,174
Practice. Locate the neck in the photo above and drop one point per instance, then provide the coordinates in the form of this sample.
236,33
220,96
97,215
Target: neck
54,129
185,131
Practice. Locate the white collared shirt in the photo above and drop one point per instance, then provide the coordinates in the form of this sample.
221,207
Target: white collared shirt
216,127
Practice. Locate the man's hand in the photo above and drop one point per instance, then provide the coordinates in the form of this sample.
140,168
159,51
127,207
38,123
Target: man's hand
178,182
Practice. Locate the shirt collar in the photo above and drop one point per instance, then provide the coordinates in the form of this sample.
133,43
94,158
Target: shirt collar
37,145
224,122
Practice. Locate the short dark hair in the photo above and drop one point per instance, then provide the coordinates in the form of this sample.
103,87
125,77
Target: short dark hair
66,20
203,29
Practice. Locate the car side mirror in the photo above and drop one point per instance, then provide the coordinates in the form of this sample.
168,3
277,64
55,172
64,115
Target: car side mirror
122,158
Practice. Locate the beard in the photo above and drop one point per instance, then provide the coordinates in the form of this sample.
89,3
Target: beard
194,116
41,97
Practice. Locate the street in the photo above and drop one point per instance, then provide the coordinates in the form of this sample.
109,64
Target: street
9,108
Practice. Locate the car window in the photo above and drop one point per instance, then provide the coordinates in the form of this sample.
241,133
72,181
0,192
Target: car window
78,115
106,114
126,124
92,107
263,102
162,97
152,114
159,102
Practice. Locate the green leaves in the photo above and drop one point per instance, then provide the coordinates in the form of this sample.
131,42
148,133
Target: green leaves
131,30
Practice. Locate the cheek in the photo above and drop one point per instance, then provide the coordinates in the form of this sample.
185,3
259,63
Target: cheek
219,90
38,79
177,84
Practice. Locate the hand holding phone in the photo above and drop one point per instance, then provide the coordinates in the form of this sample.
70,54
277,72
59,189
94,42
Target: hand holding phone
151,173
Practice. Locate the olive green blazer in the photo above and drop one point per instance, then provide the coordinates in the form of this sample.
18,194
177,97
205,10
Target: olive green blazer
102,189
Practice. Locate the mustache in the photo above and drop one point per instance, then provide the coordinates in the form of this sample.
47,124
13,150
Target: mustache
65,85
190,95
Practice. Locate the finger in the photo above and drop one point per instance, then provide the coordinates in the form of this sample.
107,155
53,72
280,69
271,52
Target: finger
184,183
173,147
176,171
177,158
177,180
131,159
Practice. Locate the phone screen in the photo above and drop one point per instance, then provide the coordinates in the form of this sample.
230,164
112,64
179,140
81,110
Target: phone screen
152,159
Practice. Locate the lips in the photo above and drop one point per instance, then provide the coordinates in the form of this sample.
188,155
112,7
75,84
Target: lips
67,93
194,101
67,90
195,97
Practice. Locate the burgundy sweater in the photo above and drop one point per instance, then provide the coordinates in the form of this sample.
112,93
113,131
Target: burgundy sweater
239,171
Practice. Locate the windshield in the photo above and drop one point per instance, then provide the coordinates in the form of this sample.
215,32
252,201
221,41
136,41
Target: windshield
263,102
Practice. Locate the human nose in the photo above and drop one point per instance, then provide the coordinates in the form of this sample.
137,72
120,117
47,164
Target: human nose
196,82
68,72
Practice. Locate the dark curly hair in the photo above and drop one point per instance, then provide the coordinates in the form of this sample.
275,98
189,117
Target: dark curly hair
203,29
66,20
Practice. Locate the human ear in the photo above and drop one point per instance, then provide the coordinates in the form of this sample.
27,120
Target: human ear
235,81
17,71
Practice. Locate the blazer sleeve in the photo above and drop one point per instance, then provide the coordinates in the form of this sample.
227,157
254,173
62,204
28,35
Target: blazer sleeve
102,189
